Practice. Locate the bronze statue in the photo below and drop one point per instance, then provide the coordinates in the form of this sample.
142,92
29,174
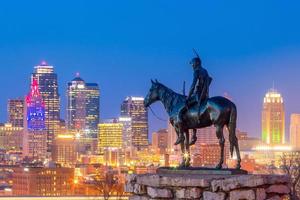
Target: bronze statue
217,111
199,92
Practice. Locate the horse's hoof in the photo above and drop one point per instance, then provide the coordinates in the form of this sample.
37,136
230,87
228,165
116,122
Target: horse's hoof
238,166
181,166
193,141
219,166
179,140
187,165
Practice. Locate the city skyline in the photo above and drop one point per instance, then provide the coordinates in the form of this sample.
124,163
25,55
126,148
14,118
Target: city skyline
243,54
152,119
88,88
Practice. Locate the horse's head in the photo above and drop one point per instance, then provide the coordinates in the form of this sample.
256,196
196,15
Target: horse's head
153,94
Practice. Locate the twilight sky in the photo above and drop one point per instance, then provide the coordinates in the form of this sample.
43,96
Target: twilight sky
244,45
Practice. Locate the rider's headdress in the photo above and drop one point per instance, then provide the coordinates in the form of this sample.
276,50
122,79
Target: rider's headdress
196,60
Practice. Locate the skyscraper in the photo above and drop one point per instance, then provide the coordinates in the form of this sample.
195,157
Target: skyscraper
110,141
160,141
134,108
15,110
76,108
273,119
35,132
64,150
295,131
48,87
83,101
11,137
127,131
92,109
110,134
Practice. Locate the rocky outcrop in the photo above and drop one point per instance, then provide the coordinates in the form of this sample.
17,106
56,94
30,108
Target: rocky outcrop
207,187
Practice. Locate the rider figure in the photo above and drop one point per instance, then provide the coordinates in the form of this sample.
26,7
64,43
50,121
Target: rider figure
199,92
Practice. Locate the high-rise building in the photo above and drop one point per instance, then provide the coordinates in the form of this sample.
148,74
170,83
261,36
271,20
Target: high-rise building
64,150
110,134
48,87
35,133
110,141
11,137
172,137
207,137
92,109
127,131
208,155
295,131
134,108
273,119
15,110
83,107
76,108
160,141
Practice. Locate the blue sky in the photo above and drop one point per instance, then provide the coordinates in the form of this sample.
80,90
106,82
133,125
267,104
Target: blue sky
244,45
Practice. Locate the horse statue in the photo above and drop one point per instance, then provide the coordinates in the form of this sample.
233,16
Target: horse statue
217,111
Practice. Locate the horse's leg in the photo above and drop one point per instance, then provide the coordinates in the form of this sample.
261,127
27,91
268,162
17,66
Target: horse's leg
182,164
194,137
220,136
234,145
187,148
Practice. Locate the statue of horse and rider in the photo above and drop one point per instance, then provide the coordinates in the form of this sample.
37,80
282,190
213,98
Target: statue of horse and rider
197,110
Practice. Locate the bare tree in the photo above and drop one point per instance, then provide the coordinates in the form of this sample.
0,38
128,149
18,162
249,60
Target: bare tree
119,190
291,167
105,183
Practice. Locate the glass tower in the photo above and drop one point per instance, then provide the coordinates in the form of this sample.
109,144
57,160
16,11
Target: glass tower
35,134
15,108
273,119
83,101
134,108
48,87
92,109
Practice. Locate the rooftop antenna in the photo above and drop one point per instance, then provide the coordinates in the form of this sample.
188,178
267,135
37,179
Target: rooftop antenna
273,86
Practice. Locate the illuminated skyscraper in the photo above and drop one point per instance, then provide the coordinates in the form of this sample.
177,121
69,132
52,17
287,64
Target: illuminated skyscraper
134,108
110,134
15,110
295,131
273,119
83,107
127,131
35,133
92,109
76,108
110,141
160,141
64,150
48,87
11,137
172,137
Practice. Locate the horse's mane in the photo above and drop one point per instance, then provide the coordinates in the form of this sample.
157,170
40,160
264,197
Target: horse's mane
170,98
170,90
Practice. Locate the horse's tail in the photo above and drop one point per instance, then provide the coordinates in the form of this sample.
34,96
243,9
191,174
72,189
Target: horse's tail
232,128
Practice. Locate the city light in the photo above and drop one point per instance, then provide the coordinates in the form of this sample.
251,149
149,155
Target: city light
216,122
272,148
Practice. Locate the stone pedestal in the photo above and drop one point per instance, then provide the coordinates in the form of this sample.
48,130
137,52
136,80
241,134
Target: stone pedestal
207,187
